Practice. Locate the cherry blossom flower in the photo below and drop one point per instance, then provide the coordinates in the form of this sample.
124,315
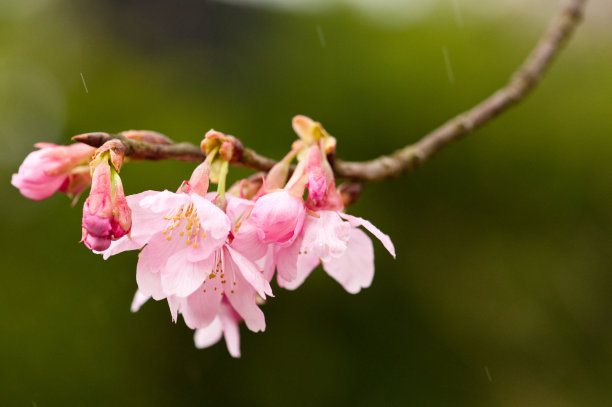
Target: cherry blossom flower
328,236
198,257
235,281
228,281
54,168
180,233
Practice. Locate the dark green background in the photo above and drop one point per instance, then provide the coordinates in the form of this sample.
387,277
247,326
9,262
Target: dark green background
504,260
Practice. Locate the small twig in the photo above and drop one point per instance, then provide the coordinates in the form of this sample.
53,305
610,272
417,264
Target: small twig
411,156
140,150
522,82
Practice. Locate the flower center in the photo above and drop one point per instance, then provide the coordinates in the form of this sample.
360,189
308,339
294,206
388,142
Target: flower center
217,279
186,223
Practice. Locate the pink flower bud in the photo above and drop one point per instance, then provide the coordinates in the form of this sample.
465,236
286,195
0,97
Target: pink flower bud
54,168
278,216
198,183
317,185
106,214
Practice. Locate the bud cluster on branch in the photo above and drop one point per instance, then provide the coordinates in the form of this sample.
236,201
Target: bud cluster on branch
213,254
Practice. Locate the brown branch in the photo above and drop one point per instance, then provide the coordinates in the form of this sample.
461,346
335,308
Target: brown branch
408,158
142,150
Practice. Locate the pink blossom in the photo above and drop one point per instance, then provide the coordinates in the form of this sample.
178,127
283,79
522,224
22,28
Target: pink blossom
54,168
106,213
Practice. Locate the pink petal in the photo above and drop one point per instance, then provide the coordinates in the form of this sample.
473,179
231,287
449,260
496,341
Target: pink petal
37,188
138,301
215,221
32,179
214,225
231,331
384,239
267,263
208,336
243,300
247,269
182,277
157,252
163,202
305,263
286,262
355,269
148,279
201,308
246,240
145,221
238,208
175,304
326,236
118,246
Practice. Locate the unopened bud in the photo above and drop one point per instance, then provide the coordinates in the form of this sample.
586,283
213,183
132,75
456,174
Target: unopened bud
106,214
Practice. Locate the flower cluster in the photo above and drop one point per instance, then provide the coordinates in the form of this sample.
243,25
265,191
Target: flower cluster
213,255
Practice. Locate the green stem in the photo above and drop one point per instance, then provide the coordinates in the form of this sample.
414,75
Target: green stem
221,184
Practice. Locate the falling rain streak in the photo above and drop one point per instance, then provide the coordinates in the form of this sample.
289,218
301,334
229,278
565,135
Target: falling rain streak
449,68
321,36
84,84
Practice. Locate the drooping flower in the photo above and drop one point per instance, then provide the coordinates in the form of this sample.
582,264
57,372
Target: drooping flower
54,168
328,236
235,280
106,213
195,255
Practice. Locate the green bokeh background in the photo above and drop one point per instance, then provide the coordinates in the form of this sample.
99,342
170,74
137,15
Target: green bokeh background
501,290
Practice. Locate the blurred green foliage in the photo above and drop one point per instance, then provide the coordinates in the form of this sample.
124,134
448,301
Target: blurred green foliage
504,265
